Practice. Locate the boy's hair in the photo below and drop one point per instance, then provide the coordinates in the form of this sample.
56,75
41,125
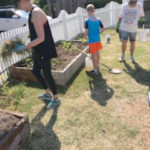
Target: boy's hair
90,8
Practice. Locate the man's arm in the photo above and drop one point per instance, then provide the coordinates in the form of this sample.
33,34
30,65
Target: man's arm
118,25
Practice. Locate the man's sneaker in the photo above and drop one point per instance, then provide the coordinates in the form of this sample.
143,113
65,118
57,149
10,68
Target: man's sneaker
132,59
121,59
54,104
46,97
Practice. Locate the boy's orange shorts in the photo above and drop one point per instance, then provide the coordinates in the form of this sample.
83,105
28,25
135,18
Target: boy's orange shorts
94,47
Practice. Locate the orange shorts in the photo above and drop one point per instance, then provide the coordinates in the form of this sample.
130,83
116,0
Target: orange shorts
94,47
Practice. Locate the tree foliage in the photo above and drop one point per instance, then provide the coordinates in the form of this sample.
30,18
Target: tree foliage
100,3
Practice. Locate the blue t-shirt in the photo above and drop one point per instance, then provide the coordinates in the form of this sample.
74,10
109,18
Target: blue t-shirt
93,25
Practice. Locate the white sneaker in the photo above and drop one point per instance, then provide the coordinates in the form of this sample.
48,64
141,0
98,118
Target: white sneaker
132,59
122,58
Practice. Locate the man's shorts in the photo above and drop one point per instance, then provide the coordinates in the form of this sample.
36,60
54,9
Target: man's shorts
128,36
94,47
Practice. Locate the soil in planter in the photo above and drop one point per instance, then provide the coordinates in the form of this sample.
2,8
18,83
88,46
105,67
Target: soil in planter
7,122
66,53
66,56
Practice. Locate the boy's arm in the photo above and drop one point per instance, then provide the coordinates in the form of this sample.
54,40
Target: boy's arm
102,27
86,29
86,33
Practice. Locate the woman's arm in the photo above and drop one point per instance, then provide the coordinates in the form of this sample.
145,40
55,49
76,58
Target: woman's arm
38,24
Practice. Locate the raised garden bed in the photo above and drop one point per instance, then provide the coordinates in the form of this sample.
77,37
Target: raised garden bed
63,68
14,130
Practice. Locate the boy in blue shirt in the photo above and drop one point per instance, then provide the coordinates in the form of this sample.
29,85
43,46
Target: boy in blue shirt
92,31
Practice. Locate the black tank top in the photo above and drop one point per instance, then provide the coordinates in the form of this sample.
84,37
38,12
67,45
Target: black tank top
47,48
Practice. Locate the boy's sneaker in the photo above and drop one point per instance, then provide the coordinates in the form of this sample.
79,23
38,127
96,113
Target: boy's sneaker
96,72
98,69
46,97
54,104
132,59
121,59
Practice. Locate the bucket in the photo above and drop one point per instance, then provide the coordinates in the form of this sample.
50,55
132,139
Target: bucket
144,35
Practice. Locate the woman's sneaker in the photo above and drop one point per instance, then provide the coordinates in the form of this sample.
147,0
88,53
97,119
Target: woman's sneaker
47,97
54,104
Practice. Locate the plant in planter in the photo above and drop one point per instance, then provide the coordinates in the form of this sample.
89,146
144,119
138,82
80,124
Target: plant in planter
29,62
6,50
54,62
66,45
84,41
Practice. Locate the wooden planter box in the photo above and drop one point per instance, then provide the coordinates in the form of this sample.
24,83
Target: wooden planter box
61,77
18,135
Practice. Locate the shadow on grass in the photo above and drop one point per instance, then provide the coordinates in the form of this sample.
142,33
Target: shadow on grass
142,76
61,89
100,91
43,137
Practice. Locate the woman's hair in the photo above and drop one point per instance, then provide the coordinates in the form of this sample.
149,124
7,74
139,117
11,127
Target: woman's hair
16,2
90,8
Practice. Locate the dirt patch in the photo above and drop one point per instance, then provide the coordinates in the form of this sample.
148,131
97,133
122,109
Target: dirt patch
7,122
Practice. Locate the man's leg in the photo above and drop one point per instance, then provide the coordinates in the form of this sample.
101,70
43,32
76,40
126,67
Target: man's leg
132,45
124,36
124,46
132,48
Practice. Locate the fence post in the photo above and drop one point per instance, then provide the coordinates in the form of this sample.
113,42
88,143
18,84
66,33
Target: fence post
80,15
64,20
111,13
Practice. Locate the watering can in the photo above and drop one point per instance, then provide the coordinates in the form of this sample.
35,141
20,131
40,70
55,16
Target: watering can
89,63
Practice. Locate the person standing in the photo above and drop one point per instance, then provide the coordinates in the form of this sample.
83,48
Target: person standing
43,50
128,25
93,28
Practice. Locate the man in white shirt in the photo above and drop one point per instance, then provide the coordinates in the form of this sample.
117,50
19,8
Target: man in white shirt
128,25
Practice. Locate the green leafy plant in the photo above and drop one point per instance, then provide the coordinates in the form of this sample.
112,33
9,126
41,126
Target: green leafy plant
4,95
55,62
16,95
84,41
6,50
29,62
4,89
66,45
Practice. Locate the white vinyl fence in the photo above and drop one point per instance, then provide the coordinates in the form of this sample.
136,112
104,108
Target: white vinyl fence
63,28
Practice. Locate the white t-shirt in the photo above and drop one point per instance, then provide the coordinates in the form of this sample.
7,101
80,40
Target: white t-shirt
130,17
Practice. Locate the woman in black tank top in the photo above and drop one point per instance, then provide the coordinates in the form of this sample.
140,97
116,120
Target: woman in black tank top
43,47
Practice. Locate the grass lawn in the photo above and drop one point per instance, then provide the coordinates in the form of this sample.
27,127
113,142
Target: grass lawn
97,113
